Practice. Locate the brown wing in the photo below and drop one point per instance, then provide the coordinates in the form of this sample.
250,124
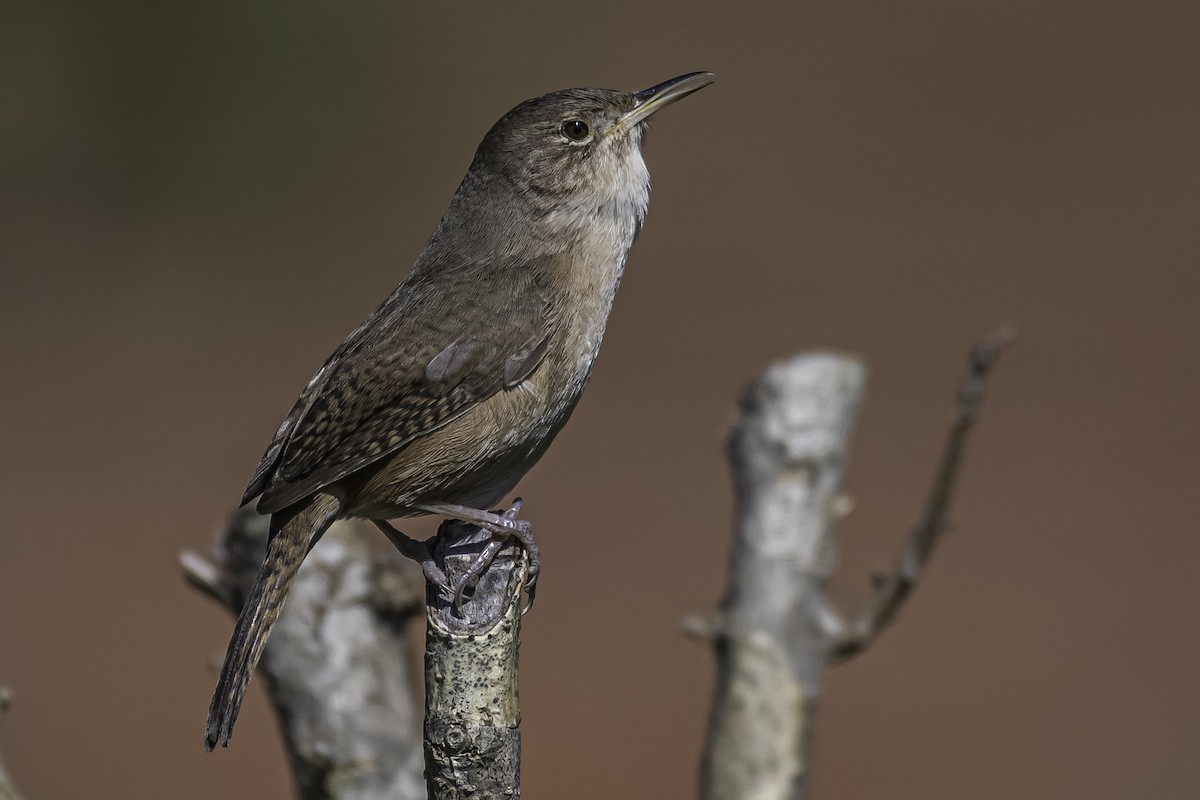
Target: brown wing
428,354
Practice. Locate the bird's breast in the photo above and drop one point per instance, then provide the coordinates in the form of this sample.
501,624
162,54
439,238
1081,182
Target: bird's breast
528,416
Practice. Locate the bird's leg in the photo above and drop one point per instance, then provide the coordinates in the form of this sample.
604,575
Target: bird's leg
502,525
418,551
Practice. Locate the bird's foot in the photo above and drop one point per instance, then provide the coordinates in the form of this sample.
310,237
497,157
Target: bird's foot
418,551
502,525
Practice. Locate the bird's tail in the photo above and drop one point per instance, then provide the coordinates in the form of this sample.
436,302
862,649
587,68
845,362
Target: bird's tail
293,531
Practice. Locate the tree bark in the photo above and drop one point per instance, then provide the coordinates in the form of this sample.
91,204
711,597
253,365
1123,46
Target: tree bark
472,711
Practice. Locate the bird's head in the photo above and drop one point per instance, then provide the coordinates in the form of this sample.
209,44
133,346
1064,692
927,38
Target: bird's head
577,152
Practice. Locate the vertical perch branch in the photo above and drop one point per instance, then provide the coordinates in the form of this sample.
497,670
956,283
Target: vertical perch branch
472,713
776,631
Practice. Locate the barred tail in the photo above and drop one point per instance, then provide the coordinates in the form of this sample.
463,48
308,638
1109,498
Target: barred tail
293,531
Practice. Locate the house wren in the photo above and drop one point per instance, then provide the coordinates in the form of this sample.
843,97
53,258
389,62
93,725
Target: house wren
456,385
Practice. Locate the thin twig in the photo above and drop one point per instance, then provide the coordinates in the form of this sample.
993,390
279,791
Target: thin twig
890,590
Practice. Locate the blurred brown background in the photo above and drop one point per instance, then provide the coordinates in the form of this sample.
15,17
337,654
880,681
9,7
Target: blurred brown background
198,202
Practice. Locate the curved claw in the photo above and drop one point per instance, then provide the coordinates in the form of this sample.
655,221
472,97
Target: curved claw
514,509
476,570
522,531
530,593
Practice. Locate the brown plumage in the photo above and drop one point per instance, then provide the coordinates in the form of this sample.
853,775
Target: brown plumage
456,385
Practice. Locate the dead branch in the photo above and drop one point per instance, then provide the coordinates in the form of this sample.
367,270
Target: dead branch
776,632
788,452
336,668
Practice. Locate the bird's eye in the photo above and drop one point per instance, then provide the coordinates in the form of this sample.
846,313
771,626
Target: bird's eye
576,130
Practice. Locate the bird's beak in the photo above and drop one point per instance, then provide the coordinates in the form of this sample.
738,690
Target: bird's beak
659,97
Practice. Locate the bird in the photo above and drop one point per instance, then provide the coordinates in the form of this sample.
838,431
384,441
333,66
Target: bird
455,386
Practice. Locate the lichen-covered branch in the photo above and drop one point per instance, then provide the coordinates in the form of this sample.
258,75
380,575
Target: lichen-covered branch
776,632
337,666
472,713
